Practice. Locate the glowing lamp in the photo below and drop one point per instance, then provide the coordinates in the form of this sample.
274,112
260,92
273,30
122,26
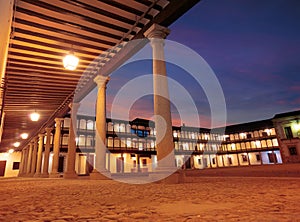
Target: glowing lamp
34,116
11,151
70,61
16,144
24,136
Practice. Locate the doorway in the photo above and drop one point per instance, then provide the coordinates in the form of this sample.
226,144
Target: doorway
2,168
61,164
120,165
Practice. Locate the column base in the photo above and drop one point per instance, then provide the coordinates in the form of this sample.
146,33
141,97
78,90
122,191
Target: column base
54,175
167,176
37,175
44,175
102,175
70,175
30,175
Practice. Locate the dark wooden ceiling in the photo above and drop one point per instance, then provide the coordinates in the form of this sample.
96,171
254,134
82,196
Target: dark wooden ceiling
44,31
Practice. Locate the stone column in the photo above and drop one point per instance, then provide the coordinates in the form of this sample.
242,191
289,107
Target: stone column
6,17
162,111
34,156
100,171
47,153
56,148
21,172
25,160
39,156
29,158
71,158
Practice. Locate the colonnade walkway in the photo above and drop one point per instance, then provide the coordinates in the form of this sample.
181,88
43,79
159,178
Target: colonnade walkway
211,198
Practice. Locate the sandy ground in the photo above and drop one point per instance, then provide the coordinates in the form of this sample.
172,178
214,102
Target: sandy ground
212,199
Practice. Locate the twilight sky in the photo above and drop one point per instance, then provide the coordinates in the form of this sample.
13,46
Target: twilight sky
253,47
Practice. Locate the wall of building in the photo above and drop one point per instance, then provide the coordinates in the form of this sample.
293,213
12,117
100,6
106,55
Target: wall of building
11,161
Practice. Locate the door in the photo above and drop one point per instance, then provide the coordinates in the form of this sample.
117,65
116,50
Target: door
187,162
272,157
2,168
120,165
61,164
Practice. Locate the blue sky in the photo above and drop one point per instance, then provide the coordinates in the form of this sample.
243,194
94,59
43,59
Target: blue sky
253,47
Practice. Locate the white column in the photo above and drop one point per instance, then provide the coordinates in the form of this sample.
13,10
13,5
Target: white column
6,16
47,153
34,156
162,111
30,148
56,148
100,171
71,158
39,156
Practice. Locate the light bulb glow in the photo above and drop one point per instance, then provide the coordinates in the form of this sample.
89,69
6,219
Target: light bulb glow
70,62
24,136
11,151
34,116
17,144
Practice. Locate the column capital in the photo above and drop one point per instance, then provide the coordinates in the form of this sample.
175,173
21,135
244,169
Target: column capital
41,135
157,31
74,107
58,120
48,129
101,80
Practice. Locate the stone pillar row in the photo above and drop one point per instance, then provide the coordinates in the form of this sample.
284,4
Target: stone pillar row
163,124
32,162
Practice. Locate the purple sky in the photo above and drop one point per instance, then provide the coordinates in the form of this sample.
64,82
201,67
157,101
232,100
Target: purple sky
253,46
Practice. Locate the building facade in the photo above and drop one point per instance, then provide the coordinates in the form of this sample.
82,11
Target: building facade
131,146
288,131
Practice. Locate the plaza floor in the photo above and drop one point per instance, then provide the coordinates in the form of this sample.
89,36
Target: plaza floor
210,199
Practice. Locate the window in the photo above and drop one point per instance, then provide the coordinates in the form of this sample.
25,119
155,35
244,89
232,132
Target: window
293,151
244,158
16,165
199,161
65,139
90,141
213,161
90,125
258,157
144,161
249,136
288,132
229,160
140,133
82,140
272,157
82,124
264,134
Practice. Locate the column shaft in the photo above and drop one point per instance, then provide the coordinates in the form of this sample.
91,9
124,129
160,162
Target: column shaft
70,170
6,16
25,161
45,172
100,135
56,148
162,110
34,156
21,163
29,158
39,156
